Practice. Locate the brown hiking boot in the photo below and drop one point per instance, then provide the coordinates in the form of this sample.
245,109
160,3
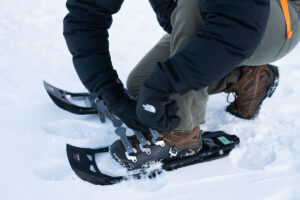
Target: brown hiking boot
256,83
137,151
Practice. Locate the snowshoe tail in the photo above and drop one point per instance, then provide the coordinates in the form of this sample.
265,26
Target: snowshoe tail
60,98
215,145
82,161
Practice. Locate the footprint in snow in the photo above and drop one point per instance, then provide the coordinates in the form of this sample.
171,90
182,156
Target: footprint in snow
53,170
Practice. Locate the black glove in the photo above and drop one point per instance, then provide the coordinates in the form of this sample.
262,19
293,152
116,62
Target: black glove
154,108
121,105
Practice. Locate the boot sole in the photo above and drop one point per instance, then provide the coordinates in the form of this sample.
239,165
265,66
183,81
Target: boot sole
268,92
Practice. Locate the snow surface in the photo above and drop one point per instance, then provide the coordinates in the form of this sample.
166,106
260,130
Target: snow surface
34,131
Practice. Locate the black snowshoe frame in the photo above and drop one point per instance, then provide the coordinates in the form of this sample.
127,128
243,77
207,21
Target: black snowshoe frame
60,98
82,160
94,105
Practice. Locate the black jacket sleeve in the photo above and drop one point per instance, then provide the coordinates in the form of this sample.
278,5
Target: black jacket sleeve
86,33
164,10
232,32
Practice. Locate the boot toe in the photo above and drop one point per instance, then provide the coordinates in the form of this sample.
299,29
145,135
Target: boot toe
232,109
117,151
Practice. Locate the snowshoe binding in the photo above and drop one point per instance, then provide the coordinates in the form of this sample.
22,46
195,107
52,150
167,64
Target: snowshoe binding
140,149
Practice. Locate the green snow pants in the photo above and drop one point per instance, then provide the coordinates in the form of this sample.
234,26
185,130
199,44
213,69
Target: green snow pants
186,20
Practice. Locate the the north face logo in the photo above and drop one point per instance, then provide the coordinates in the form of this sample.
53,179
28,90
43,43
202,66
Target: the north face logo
149,108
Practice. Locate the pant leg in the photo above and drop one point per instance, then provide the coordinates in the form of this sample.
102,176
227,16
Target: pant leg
159,53
186,20
222,84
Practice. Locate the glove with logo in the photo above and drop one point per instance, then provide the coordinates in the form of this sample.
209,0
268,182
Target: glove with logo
121,105
154,108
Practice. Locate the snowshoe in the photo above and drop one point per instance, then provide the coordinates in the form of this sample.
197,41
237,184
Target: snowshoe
94,105
63,99
215,145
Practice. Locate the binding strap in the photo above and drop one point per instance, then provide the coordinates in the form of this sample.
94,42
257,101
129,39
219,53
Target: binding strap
286,13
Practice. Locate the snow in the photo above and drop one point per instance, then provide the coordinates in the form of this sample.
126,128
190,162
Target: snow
34,131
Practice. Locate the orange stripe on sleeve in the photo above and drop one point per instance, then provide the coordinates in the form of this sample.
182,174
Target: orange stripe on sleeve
286,13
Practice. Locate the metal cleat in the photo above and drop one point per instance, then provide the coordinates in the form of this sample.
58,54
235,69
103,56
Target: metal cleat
155,135
160,143
173,152
146,150
221,152
131,158
143,142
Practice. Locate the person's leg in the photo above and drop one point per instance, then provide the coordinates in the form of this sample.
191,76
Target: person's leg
257,79
186,20
274,45
159,53
222,84
186,141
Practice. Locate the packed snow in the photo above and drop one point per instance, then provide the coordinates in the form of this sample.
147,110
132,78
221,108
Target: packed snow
34,131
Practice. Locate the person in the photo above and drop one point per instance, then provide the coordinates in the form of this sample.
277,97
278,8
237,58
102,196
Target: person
210,47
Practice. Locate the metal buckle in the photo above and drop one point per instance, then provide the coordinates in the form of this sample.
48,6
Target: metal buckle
173,152
160,143
121,132
155,135
146,150
143,142
131,158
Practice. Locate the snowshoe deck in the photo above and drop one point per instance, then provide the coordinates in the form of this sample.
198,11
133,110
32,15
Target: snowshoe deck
82,160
